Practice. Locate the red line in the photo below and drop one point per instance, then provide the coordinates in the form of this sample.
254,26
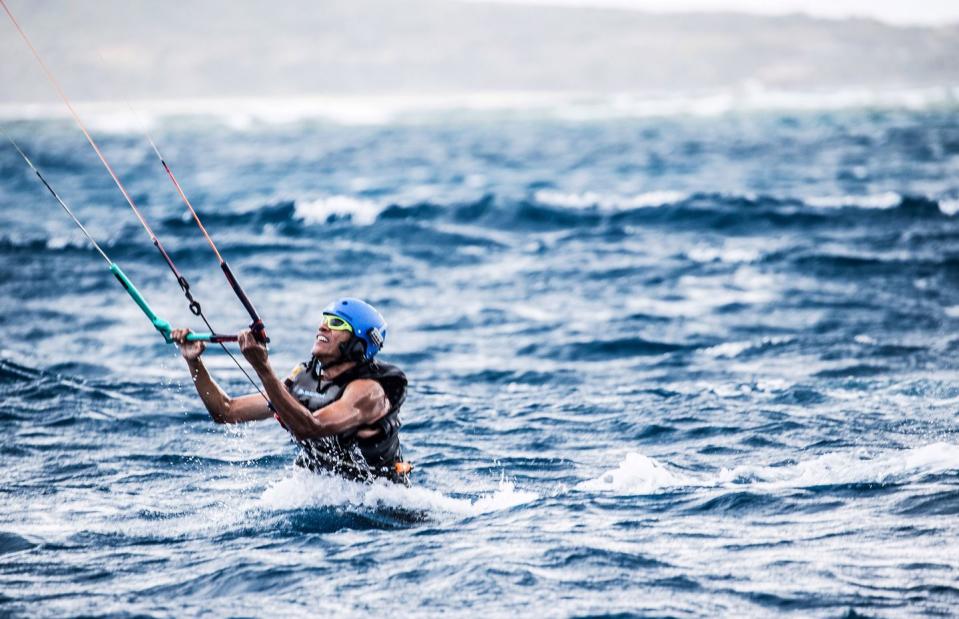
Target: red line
190,206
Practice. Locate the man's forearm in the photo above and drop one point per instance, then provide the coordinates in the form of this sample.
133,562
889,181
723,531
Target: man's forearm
216,401
296,417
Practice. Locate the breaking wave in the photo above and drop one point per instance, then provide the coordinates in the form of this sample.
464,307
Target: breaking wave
640,474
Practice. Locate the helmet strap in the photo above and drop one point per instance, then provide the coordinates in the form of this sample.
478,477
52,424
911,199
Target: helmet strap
353,350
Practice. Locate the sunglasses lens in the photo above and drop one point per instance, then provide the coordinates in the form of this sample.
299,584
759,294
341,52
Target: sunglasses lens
337,323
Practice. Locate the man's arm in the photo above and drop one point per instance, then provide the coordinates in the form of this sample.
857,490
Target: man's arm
222,408
362,402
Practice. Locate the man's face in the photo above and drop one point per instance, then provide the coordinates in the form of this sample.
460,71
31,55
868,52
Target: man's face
326,346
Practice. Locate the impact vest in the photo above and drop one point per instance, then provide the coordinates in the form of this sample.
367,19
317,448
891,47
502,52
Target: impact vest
348,454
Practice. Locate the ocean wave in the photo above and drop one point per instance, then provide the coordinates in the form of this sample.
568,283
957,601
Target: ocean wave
275,212
59,382
636,474
884,200
949,207
595,350
119,244
54,243
608,202
546,209
784,206
728,253
851,467
565,210
640,474
360,211
250,113
731,350
11,542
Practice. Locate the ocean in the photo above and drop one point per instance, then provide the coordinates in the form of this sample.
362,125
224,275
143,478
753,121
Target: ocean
665,360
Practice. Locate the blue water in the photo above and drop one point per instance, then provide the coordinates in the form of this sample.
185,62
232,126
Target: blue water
667,366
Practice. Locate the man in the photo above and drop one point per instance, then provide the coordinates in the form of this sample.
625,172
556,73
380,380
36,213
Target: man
341,406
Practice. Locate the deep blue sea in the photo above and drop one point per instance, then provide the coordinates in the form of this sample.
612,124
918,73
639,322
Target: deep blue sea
661,364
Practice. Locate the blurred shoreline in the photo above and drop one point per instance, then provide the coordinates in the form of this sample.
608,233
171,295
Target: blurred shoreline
359,48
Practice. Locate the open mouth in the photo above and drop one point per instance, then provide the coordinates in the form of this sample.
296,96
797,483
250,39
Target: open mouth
322,338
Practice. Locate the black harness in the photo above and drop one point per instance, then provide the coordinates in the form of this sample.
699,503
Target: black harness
348,454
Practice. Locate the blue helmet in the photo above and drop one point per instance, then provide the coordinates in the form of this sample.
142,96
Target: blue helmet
368,324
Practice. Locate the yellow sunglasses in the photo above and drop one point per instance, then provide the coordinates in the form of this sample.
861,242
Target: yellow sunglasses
336,323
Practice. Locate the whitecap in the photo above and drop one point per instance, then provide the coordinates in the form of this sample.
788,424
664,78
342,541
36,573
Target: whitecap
729,350
73,241
361,212
636,474
607,202
886,200
847,467
639,474
949,207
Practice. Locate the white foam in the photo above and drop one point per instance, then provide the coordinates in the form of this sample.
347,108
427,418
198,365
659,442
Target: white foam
639,474
361,212
729,350
607,202
952,311
305,489
636,474
884,200
729,254
949,207
67,242
854,466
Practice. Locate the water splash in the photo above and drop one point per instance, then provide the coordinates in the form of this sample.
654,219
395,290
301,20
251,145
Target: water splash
306,489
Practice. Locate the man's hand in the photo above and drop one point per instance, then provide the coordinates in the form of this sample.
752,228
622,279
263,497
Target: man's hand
254,351
191,351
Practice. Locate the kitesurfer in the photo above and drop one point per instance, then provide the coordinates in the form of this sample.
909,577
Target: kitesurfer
342,406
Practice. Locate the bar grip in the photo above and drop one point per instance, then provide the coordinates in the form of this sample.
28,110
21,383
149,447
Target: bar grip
216,338
257,326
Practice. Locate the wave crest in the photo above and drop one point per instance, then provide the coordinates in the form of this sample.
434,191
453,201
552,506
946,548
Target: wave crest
636,474
640,474
608,202
360,211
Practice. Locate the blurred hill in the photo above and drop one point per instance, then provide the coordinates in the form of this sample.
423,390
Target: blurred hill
219,48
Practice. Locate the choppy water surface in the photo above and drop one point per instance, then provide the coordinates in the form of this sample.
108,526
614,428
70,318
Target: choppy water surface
672,366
